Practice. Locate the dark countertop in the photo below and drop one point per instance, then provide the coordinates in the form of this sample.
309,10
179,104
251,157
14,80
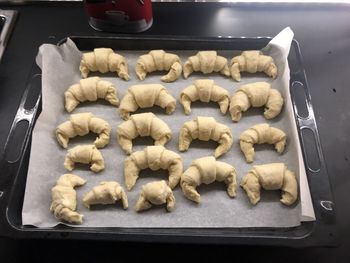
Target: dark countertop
323,32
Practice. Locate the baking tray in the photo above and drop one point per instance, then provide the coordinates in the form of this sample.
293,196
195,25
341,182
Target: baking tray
15,159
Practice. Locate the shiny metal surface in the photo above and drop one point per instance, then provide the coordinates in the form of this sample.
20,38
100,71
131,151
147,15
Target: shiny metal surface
7,18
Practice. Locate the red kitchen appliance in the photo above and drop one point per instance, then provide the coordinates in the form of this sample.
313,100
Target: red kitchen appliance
120,15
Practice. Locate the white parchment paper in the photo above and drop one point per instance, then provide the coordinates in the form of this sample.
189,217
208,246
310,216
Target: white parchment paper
60,69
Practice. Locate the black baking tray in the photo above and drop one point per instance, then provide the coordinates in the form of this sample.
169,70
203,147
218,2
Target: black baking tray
15,159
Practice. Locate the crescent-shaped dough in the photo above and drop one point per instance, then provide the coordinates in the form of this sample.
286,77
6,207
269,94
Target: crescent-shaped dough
256,94
155,193
205,129
81,124
204,90
158,60
106,193
206,62
143,124
252,61
146,96
90,89
155,158
64,198
261,133
86,154
272,176
104,60
206,170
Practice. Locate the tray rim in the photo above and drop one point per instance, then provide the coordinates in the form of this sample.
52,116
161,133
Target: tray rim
186,235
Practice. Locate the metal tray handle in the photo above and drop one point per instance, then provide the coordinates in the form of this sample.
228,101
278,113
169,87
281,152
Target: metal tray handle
315,163
20,132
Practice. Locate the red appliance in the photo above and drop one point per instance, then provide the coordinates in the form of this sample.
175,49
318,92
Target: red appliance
119,15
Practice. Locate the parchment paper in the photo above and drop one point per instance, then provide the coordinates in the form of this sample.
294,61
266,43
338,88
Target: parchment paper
60,69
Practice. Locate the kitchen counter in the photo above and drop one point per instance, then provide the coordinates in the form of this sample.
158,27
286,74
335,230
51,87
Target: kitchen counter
323,33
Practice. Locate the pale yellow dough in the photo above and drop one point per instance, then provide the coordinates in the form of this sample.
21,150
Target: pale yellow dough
273,176
206,170
90,89
106,193
155,158
252,61
143,124
155,193
205,129
206,62
86,154
104,60
261,133
204,90
64,198
81,124
146,96
256,94
158,60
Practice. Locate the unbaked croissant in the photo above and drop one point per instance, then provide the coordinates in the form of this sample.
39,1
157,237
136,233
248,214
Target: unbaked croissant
64,198
206,62
86,154
256,94
205,129
206,170
81,124
155,193
252,61
146,96
106,193
104,60
261,133
157,60
90,89
143,124
204,90
155,158
272,176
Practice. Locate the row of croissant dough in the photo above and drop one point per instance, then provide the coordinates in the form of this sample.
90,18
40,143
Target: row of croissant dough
256,94
147,124
105,60
203,170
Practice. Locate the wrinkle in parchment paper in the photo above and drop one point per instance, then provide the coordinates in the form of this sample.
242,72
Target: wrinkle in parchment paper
60,69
